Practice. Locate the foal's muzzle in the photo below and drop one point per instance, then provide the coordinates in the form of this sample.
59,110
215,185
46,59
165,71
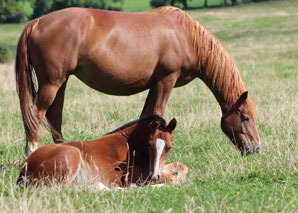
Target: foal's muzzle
154,178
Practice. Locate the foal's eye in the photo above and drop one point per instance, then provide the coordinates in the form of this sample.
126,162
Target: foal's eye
168,149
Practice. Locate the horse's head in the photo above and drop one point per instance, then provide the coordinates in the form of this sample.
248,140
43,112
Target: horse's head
240,126
160,144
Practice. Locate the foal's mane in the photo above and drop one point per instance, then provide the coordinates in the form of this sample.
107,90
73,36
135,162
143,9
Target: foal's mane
215,65
143,119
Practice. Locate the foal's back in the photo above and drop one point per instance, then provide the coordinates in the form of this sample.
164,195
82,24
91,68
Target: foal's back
80,162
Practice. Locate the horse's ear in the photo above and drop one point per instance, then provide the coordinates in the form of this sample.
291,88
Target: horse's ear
241,99
236,106
172,125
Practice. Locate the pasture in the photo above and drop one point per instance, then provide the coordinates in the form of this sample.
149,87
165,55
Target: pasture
262,39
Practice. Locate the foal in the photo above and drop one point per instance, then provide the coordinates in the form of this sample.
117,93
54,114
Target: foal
132,154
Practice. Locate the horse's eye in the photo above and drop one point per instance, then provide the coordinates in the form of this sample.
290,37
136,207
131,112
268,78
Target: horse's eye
168,149
244,118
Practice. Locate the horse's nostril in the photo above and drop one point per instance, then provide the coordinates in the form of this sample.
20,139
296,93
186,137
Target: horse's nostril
258,150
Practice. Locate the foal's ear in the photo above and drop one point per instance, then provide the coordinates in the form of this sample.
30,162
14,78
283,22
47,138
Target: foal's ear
172,125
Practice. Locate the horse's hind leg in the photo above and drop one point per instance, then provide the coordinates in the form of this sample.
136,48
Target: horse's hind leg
54,114
44,98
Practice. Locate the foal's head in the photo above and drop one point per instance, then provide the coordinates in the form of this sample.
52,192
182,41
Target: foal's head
240,126
152,141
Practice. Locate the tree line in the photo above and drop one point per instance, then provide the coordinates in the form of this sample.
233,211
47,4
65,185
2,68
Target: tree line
12,11
185,3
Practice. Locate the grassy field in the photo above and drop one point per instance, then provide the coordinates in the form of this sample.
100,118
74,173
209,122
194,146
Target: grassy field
262,39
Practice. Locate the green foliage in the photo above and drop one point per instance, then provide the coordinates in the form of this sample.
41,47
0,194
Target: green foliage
42,7
159,3
11,11
198,4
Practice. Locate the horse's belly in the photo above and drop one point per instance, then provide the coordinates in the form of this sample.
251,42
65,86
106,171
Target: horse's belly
114,82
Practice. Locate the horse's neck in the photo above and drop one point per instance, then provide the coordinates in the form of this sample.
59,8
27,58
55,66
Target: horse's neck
220,74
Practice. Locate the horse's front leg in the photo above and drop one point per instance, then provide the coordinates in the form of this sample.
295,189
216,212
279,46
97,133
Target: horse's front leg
159,94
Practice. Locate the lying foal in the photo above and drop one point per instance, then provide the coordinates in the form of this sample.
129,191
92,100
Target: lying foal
132,154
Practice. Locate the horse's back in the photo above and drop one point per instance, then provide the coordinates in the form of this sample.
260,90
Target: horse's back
112,52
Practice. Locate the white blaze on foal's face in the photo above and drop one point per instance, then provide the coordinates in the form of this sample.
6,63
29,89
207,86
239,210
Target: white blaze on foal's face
160,144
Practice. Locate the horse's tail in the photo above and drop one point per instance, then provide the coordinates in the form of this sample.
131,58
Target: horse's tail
24,80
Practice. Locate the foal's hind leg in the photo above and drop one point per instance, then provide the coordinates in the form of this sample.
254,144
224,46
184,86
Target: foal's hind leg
44,98
54,114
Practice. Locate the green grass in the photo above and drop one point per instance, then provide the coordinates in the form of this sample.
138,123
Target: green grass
9,35
262,39
134,6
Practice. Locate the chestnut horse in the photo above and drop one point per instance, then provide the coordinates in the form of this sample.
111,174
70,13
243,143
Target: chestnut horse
122,54
132,154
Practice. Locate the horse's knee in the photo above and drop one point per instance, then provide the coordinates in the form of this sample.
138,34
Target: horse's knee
31,146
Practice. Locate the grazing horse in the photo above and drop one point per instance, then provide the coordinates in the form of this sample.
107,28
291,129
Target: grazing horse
122,54
132,154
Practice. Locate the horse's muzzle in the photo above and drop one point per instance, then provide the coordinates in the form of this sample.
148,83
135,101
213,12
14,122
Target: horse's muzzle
248,150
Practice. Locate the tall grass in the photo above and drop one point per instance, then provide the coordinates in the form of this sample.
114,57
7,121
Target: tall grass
262,39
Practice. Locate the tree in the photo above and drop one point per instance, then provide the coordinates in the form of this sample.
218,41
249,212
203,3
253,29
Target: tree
41,7
11,11
159,3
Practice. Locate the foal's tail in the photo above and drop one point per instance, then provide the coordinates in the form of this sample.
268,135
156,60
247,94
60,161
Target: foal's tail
24,81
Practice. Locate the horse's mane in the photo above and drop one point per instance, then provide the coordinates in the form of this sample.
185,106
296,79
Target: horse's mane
144,119
216,67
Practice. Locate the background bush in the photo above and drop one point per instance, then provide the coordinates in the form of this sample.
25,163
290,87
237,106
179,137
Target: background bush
11,11
42,7
185,3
